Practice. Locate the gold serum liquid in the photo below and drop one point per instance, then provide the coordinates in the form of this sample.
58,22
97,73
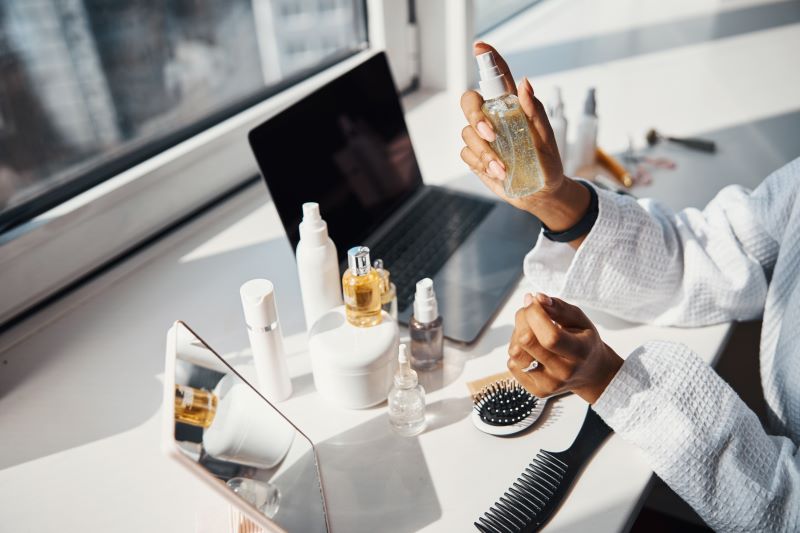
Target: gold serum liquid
361,287
514,139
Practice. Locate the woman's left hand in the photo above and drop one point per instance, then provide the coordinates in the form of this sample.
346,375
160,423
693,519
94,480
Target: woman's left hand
570,353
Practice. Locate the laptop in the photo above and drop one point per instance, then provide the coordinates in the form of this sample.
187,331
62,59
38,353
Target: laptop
346,146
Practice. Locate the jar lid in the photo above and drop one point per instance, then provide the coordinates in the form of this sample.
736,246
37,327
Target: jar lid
348,349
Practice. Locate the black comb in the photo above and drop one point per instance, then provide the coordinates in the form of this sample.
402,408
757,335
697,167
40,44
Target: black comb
537,493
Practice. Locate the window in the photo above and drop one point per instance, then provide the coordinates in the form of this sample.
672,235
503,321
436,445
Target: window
92,87
120,119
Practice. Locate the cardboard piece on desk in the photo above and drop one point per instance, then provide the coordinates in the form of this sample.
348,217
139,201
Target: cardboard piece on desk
474,387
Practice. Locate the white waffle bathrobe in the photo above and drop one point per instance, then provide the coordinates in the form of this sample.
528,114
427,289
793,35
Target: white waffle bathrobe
738,259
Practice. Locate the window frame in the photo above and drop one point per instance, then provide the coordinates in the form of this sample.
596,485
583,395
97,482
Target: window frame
56,251
99,225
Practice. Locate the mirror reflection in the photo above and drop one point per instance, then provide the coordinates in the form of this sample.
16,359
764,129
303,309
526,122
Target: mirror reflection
238,437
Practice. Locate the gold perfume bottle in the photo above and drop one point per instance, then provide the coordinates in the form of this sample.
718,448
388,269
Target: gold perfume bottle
388,289
195,407
361,286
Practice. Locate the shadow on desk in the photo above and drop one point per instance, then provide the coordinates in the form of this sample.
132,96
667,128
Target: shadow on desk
376,480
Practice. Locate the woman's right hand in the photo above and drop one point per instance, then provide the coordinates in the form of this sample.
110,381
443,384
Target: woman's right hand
562,202
477,135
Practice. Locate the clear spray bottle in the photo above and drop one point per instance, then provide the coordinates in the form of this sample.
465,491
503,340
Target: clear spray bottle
514,139
406,399
425,327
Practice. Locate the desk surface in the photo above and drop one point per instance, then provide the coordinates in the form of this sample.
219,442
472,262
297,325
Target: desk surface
80,398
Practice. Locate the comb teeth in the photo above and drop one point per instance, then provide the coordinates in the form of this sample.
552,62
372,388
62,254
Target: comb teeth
521,508
504,403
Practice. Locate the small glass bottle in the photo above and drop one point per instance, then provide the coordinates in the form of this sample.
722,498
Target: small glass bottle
388,290
513,143
263,495
196,407
406,399
361,286
425,328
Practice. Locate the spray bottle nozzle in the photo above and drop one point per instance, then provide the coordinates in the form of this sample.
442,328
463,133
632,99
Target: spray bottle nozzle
492,83
590,106
311,211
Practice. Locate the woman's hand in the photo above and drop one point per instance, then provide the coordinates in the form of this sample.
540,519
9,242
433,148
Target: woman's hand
477,135
561,202
570,353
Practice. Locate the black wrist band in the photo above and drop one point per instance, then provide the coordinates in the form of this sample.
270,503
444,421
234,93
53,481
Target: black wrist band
582,227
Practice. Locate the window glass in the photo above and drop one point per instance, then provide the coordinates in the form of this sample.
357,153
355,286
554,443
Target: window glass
90,87
490,13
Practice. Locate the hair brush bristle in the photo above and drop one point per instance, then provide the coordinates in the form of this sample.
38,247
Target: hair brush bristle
504,402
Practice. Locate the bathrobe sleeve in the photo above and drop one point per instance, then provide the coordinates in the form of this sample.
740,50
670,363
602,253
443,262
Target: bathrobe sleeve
703,441
644,262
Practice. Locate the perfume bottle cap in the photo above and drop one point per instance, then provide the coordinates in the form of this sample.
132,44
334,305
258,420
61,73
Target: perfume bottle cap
313,229
425,307
491,83
358,260
258,303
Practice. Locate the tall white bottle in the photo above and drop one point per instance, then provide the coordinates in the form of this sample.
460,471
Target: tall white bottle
558,121
317,266
586,141
266,340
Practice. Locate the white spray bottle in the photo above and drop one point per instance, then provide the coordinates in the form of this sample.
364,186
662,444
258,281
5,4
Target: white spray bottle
317,266
559,124
586,141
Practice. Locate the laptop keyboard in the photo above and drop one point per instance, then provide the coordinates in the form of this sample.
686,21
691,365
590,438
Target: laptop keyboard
425,238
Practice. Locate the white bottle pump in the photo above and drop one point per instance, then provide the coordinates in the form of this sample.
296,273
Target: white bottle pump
426,309
559,123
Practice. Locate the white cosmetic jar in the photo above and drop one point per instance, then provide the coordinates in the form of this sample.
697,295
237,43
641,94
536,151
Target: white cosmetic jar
353,367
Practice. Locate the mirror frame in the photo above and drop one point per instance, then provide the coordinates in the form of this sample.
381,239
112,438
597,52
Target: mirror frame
170,448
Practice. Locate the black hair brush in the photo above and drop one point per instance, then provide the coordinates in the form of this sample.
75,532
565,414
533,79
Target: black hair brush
504,408
536,495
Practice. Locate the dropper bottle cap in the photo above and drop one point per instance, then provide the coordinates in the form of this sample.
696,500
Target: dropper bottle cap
426,309
491,83
405,377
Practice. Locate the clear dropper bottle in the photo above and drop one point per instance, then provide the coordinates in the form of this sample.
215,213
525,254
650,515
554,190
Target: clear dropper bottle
514,140
406,399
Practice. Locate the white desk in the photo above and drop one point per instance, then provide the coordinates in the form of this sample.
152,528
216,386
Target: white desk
80,397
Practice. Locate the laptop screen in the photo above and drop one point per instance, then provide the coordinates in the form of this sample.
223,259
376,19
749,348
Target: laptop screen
346,146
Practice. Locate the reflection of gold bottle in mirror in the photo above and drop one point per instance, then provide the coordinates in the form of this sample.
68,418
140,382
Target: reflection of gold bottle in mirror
195,407
361,286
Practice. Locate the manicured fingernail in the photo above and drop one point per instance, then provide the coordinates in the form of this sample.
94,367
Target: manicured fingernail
496,170
526,338
544,299
486,131
527,300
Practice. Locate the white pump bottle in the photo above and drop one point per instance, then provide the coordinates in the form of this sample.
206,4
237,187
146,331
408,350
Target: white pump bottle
317,266
559,124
